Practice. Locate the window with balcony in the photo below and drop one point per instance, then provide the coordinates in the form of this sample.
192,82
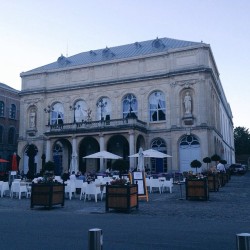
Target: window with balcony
57,114
157,106
129,105
104,109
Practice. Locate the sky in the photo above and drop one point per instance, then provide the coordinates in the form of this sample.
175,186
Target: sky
34,33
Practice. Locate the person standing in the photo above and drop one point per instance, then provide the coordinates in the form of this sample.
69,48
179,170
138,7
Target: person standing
221,167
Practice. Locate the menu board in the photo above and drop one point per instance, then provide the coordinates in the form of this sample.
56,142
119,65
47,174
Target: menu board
139,178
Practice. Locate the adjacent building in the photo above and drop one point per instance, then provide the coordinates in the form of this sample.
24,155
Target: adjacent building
164,94
9,121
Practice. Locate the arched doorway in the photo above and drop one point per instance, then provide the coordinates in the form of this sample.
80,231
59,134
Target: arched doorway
189,150
140,142
62,151
118,145
88,146
159,165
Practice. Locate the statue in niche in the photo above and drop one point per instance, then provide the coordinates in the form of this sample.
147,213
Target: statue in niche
32,119
188,103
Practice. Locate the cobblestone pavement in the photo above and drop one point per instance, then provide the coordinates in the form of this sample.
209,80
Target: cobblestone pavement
164,222
232,200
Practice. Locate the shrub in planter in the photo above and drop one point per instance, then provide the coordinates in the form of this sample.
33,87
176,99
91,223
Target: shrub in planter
215,157
195,164
207,160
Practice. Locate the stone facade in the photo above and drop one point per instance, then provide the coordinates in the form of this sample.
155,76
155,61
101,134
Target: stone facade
169,99
9,121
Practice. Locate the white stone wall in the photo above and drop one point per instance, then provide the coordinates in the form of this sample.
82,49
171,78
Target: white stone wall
139,76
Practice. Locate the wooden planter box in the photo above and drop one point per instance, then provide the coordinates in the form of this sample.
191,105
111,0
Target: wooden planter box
213,182
47,195
122,197
197,189
222,177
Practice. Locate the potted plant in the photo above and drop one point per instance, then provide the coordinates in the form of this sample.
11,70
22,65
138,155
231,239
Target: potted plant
212,176
195,164
46,191
207,160
121,195
197,186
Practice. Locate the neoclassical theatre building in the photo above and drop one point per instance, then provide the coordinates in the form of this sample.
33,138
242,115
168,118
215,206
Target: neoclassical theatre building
164,94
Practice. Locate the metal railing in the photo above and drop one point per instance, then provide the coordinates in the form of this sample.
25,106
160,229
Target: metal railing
97,125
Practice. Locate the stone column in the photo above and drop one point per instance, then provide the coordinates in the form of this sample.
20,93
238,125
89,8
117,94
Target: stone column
101,142
48,145
131,150
74,145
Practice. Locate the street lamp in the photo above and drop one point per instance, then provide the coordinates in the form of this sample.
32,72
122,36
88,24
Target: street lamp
131,101
101,104
48,110
74,109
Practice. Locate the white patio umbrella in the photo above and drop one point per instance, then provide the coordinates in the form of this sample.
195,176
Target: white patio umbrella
103,155
154,154
151,153
73,163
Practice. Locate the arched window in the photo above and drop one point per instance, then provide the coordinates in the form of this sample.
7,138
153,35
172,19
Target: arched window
13,111
1,109
11,136
81,111
129,106
1,134
157,106
57,114
104,108
188,141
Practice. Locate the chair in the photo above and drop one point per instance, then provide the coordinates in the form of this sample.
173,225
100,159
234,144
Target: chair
78,183
92,189
1,184
168,184
28,186
106,179
155,184
70,188
58,178
17,188
83,189
148,183
4,188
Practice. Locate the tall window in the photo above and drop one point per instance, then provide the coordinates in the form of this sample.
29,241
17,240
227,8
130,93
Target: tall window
11,136
1,109
1,134
129,106
103,108
157,106
57,114
80,110
13,111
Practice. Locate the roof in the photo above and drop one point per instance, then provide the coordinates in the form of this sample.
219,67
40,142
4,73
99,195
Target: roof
6,87
115,53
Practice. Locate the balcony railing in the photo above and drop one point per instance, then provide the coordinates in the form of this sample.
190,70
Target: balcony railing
85,126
